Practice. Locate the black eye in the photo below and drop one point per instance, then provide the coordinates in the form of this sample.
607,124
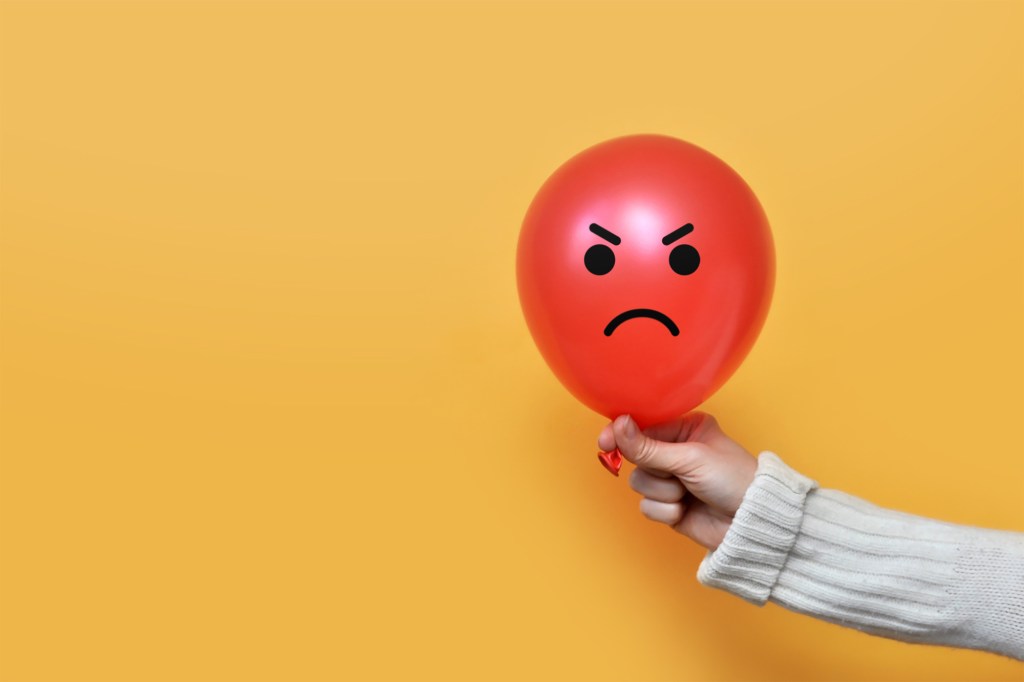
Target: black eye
599,259
684,259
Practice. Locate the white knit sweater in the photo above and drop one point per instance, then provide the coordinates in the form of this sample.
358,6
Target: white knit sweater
836,557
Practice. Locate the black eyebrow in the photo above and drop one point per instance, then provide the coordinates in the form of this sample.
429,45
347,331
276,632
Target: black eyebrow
605,234
677,234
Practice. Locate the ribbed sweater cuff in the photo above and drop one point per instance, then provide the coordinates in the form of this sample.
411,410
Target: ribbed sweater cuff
842,559
757,544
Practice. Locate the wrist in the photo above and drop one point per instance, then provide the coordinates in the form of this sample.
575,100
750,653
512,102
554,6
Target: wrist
758,541
743,479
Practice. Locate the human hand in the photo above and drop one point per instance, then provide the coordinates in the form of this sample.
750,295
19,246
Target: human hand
692,476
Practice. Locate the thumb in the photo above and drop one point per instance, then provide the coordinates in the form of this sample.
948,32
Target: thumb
648,453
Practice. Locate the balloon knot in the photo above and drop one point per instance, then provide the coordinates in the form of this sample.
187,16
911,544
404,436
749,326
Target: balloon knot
612,461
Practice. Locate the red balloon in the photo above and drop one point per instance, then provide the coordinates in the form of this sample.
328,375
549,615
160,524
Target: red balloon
645,269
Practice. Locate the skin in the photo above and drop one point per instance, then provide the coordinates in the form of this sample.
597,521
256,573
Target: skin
691,475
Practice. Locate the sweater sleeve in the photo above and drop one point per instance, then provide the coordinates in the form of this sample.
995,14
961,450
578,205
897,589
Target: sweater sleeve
838,558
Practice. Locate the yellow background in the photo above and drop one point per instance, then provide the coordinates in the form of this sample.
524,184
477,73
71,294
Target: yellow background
270,410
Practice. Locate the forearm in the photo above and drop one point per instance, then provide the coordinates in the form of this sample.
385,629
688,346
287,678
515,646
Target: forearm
841,559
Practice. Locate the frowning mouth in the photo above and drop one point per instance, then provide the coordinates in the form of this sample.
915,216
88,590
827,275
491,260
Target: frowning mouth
641,312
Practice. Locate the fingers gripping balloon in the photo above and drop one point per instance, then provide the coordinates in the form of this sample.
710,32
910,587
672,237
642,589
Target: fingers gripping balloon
645,269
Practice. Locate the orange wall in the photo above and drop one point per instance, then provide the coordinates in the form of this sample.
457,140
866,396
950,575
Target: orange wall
270,411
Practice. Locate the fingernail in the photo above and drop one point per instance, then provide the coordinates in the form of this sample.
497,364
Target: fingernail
629,428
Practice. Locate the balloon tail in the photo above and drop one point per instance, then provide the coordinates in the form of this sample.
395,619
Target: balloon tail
612,461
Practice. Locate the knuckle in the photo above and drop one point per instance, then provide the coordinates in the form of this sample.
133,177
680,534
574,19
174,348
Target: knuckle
710,420
690,454
645,451
703,420
674,490
684,526
636,480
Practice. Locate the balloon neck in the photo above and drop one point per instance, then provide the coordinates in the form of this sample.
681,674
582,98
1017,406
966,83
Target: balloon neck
612,461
